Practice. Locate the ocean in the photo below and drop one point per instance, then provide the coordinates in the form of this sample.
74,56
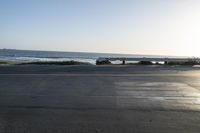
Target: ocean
31,56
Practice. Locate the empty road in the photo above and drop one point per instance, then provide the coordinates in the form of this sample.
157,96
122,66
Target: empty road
99,99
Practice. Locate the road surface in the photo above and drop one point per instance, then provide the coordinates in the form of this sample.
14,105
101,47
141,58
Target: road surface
99,99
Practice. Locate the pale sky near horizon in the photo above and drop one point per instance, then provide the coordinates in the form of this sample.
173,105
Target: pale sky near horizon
158,27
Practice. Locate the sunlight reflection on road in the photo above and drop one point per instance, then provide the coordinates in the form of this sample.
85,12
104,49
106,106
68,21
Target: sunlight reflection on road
167,95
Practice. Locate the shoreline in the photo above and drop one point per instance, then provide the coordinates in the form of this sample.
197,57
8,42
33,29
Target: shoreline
73,62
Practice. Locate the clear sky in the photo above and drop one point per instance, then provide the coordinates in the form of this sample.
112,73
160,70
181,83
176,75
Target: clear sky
163,27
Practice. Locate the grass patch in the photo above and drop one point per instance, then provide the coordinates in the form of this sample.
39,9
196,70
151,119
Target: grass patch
184,63
145,63
55,63
3,62
103,62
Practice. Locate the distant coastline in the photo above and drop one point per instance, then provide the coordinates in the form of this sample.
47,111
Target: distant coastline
29,57
37,56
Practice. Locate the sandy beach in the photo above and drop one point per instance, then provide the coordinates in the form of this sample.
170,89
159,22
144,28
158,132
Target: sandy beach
107,99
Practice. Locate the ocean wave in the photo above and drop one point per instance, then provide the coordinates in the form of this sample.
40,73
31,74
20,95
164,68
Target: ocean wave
33,59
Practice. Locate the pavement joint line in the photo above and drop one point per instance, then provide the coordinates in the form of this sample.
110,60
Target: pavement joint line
100,75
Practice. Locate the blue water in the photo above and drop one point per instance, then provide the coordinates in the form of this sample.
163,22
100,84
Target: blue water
27,55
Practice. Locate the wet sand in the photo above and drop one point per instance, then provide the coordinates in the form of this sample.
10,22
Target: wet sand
106,99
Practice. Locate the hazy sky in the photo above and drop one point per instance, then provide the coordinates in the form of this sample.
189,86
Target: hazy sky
164,27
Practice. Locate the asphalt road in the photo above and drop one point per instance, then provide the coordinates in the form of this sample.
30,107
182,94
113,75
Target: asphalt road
104,99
